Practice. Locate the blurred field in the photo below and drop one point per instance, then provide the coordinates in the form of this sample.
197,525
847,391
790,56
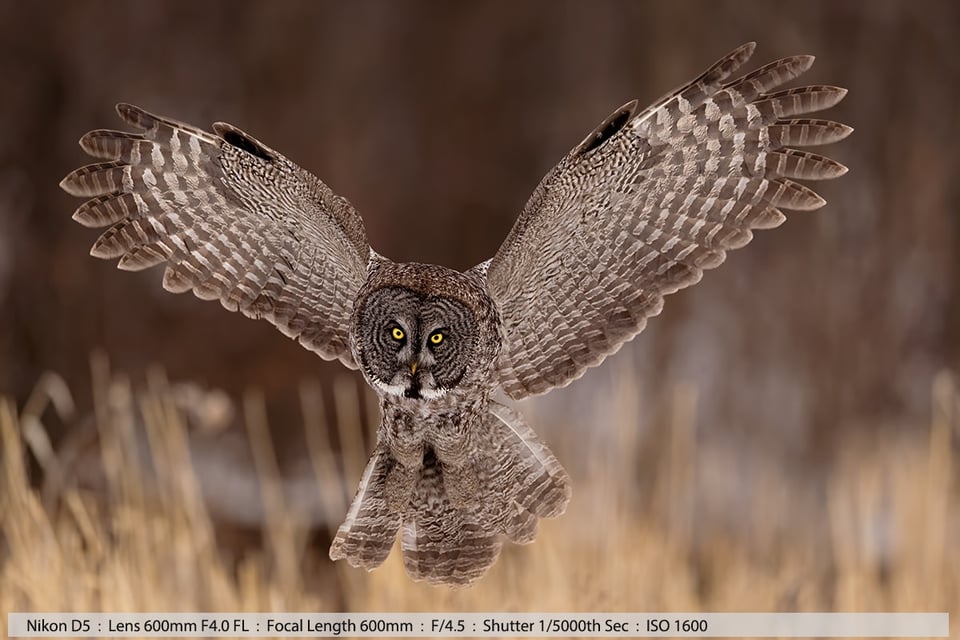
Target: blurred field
877,534
438,119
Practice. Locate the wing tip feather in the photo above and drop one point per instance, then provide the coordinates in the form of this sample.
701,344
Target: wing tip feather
803,62
724,67
130,113
83,217
812,202
841,133
68,185
98,251
747,49
86,142
128,265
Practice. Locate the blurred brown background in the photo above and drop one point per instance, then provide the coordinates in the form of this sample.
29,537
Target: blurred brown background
437,119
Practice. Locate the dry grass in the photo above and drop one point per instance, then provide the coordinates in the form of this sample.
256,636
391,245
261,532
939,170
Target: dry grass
877,531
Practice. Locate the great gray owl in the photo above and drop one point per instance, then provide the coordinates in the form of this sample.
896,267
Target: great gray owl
648,201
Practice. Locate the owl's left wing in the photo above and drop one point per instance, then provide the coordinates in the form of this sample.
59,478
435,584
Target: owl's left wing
645,204
232,219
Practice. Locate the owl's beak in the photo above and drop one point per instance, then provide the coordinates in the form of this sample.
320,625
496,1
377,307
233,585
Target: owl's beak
413,368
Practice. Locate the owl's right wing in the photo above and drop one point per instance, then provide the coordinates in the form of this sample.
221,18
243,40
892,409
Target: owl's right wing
644,205
232,219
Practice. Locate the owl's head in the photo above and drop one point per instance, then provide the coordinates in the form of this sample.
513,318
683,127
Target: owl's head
420,331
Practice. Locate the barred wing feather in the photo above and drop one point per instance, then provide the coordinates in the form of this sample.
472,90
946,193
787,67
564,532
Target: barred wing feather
644,205
232,220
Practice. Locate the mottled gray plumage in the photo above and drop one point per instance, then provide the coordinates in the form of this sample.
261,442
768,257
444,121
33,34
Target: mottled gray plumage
638,210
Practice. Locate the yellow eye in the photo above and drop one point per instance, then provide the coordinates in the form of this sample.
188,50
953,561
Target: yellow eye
436,338
398,333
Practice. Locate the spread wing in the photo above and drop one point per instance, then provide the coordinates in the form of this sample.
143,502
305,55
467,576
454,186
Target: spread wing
645,204
232,220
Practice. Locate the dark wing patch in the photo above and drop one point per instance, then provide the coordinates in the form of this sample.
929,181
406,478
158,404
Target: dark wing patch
231,219
609,127
242,141
644,206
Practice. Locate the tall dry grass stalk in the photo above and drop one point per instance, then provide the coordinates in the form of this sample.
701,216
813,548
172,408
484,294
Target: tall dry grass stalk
880,535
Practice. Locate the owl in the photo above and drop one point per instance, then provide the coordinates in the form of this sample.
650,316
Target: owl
646,203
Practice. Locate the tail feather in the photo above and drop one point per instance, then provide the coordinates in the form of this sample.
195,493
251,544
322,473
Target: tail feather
447,540
373,521
444,544
521,525
529,469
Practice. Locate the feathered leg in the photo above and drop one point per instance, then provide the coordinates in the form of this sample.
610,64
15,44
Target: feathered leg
443,544
448,539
